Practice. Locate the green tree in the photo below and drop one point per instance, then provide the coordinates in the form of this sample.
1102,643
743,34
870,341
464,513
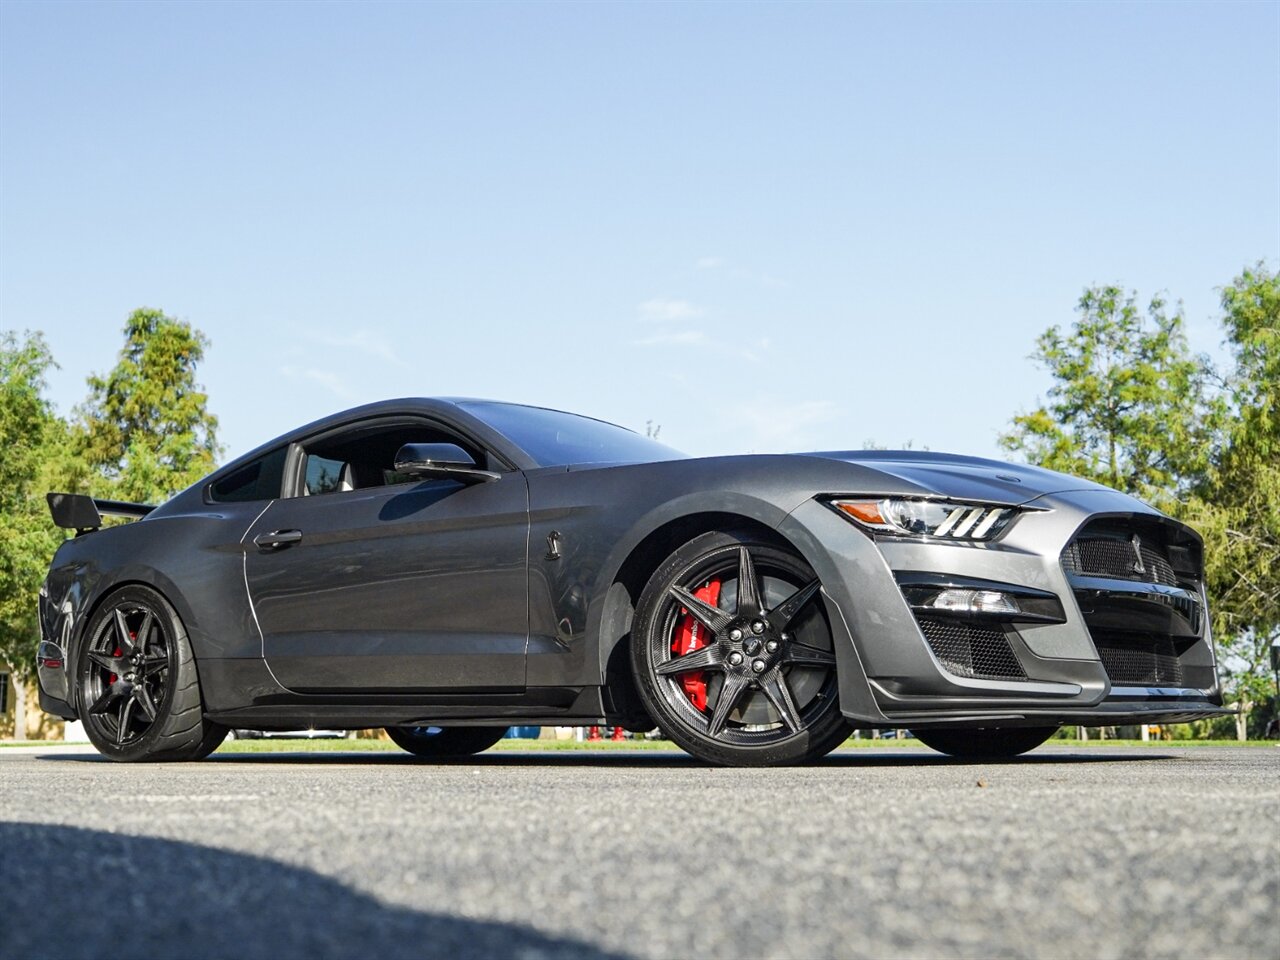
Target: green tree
33,441
1133,408
1236,506
146,430
1129,403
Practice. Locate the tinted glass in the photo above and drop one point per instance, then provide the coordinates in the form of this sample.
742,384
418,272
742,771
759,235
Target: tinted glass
259,480
323,475
554,439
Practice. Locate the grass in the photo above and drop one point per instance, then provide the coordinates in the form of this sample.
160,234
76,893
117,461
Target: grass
364,746
1162,743
294,746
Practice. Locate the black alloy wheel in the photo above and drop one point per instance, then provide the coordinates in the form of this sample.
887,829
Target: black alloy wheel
984,743
443,742
734,656
138,692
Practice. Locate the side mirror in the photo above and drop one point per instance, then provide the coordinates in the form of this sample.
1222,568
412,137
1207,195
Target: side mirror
432,460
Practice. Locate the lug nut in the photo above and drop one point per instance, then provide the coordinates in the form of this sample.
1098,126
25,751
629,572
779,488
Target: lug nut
735,658
757,626
735,634
757,666
771,646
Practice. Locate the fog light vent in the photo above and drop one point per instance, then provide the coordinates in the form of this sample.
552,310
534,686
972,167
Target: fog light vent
969,650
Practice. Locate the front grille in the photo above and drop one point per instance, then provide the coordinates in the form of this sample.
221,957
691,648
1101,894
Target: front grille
972,651
1132,659
1117,559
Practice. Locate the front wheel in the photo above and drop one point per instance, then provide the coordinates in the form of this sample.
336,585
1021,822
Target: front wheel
138,692
734,656
441,742
985,743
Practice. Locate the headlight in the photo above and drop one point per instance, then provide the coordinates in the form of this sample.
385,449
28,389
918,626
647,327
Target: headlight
928,518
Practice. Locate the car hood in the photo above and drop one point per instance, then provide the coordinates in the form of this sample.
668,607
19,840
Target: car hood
965,478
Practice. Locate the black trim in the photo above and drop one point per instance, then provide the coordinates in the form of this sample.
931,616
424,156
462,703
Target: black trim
59,708
76,511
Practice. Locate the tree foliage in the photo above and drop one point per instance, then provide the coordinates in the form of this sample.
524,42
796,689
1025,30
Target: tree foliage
1236,505
1133,408
30,438
1128,406
143,433
146,430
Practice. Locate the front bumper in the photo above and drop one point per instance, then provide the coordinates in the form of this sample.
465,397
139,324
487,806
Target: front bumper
894,676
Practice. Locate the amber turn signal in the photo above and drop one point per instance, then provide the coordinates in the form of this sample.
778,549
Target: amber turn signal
864,511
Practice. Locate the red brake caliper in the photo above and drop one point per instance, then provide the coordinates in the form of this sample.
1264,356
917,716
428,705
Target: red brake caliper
112,678
691,636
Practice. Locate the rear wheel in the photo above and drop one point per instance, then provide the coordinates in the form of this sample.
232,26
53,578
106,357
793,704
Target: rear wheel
985,743
733,653
138,692
446,742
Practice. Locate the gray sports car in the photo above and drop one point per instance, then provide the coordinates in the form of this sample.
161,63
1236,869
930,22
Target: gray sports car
447,568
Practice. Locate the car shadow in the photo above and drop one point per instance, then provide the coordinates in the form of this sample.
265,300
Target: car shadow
621,759
88,894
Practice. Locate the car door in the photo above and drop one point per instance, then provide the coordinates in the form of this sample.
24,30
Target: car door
406,588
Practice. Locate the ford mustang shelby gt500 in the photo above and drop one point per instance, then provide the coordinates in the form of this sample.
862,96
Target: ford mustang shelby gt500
446,568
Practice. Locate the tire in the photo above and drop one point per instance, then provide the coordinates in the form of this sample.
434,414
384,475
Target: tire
139,699
768,648
441,743
985,743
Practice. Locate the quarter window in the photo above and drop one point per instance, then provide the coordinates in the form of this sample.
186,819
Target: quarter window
257,480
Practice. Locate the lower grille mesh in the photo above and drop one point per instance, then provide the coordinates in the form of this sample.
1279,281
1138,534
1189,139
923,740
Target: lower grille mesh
1139,660
972,651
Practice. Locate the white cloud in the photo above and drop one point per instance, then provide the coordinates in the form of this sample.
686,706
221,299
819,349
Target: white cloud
674,337
755,353
659,310
325,378
363,341
710,263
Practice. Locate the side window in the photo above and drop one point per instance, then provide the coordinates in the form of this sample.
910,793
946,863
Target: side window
364,457
258,480
325,475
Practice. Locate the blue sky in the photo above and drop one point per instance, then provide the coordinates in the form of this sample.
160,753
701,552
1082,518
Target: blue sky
765,227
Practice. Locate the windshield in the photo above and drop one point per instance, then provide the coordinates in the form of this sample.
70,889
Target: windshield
556,439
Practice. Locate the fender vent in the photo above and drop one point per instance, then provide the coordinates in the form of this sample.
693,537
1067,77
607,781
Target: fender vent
967,650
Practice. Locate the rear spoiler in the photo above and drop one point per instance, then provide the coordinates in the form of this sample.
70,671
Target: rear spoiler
75,511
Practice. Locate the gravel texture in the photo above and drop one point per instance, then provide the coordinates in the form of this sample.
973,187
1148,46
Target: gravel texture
873,853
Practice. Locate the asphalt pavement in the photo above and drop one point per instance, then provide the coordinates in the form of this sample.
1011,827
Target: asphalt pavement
885,852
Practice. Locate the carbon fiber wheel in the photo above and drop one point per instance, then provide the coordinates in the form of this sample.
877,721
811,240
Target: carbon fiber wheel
138,692
733,654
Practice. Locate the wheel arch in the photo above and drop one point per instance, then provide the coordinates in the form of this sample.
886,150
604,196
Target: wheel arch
628,580
138,576
643,557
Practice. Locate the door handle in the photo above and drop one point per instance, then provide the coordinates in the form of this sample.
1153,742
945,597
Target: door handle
278,539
